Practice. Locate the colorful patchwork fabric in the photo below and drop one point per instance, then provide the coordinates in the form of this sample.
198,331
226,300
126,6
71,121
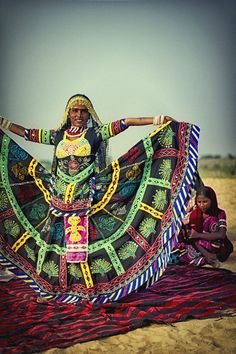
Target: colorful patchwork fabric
135,214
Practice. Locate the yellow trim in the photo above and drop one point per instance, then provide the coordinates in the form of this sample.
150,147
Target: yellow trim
86,274
69,193
148,209
21,241
114,216
38,181
40,135
110,129
110,191
159,128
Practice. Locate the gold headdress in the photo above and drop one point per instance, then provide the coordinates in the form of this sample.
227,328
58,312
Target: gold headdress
80,100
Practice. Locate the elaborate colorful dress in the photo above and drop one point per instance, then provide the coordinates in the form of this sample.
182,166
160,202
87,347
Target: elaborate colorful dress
81,234
186,250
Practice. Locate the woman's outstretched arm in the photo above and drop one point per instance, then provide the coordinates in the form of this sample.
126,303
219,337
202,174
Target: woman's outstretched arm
12,127
157,120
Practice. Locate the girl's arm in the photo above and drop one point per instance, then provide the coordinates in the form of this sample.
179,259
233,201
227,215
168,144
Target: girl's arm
12,127
210,257
147,120
209,236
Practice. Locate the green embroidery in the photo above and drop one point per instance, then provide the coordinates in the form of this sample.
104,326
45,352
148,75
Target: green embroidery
159,199
128,249
105,133
77,178
51,268
60,186
130,216
46,136
159,182
114,259
165,170
100,266
75,271
106,222
17,210
147,142
147,227
41,257
82,190
165,137
3,200
38,211
11,227
105,179
30,253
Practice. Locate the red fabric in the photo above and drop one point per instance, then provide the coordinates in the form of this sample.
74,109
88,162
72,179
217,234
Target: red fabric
196,220
183,292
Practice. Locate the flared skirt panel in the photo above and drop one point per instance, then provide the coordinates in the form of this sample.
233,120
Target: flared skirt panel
138,206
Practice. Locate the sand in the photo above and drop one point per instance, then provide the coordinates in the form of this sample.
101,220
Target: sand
208,336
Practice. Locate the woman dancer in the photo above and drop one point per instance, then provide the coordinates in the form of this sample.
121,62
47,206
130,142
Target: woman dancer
77,233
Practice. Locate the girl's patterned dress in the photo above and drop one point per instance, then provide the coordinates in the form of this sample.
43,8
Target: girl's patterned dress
188,254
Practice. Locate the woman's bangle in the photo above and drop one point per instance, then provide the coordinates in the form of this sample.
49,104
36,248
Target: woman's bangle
158,120
5,123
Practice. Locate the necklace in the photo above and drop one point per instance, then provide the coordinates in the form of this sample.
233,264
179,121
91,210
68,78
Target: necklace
74,131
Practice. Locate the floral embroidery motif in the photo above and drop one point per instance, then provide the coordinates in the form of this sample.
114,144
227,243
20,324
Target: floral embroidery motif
166,136
147,227
3,200
118,210
38,211
127,190
51,268
18,152
30,253
128,249
75,271
57,231
133,172
159,199
165,170
60,186
11,227
100,266
19,171
106,222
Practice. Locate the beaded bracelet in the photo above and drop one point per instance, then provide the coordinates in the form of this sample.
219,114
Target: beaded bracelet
5,123
158,120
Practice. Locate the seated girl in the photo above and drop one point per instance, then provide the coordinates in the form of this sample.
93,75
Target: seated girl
203,239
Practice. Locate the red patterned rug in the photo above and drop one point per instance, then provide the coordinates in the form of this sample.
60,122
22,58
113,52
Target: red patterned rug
184,292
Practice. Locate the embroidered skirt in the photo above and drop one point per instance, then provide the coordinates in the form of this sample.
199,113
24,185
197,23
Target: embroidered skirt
136,214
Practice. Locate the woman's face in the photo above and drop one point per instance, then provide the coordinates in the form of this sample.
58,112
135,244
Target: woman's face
203,203
79,115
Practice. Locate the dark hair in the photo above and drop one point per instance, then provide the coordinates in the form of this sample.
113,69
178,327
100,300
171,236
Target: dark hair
208,192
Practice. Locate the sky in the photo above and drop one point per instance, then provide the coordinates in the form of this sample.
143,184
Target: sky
131,58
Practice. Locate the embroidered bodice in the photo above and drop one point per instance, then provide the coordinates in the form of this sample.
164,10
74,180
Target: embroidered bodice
73,184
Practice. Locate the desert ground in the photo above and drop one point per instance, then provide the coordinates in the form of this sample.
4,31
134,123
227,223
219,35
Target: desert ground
195,336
